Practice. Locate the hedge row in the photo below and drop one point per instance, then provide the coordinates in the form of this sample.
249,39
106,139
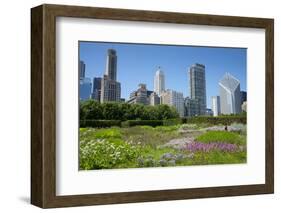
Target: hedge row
100,123
129,123
152,123
171,122
224,120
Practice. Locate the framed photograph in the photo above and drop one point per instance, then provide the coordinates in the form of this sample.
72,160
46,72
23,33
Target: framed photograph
136,106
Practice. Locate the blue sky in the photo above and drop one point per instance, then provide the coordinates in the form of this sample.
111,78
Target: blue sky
137,63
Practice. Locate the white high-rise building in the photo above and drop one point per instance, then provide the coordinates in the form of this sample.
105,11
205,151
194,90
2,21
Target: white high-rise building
230,98
159,82
216,108
173,98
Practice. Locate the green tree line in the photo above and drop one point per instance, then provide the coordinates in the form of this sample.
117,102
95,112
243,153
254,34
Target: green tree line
93,110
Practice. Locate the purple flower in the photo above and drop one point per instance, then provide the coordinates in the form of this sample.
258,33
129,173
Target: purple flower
214,146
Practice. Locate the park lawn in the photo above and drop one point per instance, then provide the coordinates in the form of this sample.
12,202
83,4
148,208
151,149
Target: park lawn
144,146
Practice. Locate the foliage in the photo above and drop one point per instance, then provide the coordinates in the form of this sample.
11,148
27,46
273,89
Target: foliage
105,154
93,110
220,136
224,120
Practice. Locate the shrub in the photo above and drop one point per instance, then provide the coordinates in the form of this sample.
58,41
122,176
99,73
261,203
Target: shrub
152,123
183,120
100,123
171,122
239,127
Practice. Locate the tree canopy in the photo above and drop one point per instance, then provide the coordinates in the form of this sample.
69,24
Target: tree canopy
93,110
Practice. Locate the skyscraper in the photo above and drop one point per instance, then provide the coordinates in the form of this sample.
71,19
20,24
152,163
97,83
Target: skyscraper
82,68
110,88
111,64
96,94
173,98
159,82
197,86
216,107
230,97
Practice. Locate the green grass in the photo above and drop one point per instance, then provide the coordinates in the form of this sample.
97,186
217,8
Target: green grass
221,136
108,133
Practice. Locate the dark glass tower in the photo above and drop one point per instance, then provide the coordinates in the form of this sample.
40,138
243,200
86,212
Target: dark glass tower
96,89
197,83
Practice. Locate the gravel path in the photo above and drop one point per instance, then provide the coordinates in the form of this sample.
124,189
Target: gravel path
179,143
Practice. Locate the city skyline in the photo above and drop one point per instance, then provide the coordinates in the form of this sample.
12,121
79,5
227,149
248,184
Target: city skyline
175,62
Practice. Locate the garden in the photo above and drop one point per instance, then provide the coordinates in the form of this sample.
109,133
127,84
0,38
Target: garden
138,141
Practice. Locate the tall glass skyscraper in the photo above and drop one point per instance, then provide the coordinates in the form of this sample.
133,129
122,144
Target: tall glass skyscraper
197,86
159,82
230,97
